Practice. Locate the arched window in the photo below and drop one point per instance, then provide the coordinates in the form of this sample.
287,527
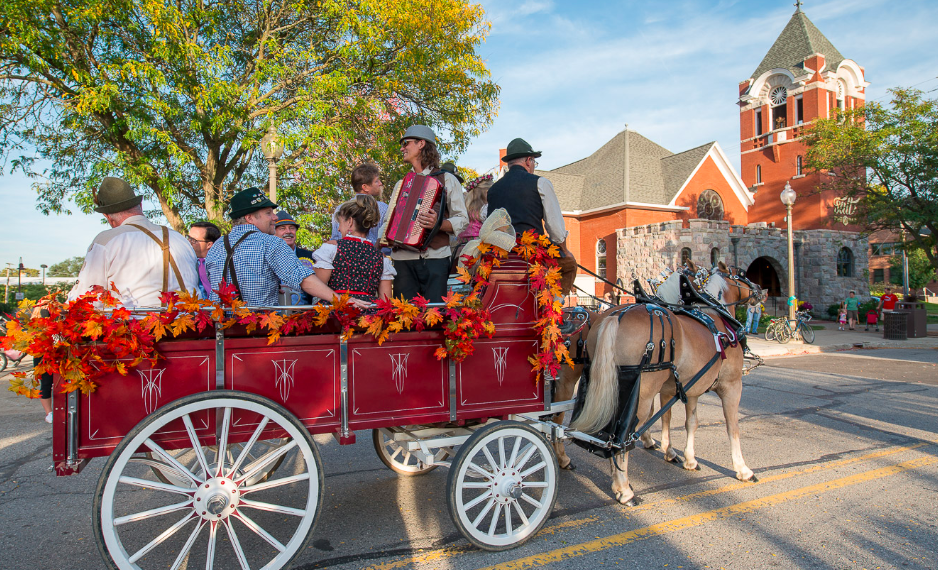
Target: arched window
841,94
845,263
685,255
714,256
710,206
601,258
799,166
758,174
778,98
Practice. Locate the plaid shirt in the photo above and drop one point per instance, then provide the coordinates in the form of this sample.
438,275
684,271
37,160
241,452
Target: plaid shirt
261,262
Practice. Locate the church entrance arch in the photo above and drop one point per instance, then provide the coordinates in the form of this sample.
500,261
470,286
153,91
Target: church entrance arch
764,272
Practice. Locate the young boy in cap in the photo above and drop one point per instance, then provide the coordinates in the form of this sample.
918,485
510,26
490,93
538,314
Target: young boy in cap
132,254
255,260
425,272
365,179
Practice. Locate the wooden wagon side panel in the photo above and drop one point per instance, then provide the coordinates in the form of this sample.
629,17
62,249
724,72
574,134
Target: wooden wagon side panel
498,378
400,382
120,402
301,373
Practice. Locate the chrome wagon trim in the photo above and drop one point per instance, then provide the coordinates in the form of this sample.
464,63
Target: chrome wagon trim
343,369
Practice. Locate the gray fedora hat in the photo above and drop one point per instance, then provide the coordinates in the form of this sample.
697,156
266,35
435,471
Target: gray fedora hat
519,148
450,167
285,219
115,195
421,132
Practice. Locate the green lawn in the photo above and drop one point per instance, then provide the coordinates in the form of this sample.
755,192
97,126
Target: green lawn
932,309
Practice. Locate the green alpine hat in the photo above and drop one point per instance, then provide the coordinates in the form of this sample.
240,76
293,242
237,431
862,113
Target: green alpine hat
519,148
451,168
115,195
247,201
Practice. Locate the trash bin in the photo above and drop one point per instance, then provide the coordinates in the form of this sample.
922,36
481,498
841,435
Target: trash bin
917,316
895,325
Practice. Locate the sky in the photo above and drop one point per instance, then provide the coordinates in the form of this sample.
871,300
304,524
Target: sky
573,74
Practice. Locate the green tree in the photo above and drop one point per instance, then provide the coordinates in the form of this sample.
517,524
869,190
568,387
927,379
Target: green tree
921,273
175,96
886,157
68,268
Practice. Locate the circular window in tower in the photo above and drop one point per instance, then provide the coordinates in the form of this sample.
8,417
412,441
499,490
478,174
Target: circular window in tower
710,206
779,96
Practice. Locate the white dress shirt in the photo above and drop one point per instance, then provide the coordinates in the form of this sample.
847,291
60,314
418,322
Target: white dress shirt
553,218
458,217
134,263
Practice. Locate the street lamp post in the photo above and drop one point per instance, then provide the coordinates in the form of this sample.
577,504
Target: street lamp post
272,147
788,197
19,280
43,266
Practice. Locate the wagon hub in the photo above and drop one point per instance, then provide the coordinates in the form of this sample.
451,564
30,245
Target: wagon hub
508,486
216,498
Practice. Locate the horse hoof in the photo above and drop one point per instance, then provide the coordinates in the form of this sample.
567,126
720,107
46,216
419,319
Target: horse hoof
674,459
631,502
569,467
752,479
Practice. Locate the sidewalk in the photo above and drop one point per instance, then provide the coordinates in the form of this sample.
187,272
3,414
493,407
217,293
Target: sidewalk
832,340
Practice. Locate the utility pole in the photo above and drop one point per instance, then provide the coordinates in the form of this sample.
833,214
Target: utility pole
19,278
43,266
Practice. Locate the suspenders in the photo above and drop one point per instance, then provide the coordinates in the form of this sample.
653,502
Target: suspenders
229,261
167,257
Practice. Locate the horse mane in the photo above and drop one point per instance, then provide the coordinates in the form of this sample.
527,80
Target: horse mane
670,290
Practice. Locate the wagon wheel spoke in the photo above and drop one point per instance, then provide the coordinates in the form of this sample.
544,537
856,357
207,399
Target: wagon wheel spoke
155,447
537,467
152,513
256,529
501,453
481,471
261,506
167,470
161,538
146,483
488,456
494,523
274,483
196,445
476,485
528,498
245,451
210,551
514,452
524,458
265,460
535,484
187,547
508,528
397,451
481,515
223,442
236,545
520,511
478,499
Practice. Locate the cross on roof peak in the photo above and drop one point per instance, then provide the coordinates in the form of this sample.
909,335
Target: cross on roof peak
797,6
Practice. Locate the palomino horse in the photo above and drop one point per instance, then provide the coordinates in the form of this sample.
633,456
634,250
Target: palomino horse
619,337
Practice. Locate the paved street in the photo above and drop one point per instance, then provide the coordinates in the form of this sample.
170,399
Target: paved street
844,445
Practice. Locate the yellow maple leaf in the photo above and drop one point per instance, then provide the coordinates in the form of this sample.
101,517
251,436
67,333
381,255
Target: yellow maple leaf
273,336
463,275
440,353
182,323
93,329
432,317
272,321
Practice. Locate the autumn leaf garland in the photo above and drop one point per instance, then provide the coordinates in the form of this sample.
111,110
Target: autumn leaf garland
119,341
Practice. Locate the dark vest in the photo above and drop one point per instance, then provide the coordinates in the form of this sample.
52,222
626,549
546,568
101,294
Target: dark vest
357,269
516,191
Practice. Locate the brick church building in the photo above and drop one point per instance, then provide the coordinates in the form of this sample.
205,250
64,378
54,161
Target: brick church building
633,207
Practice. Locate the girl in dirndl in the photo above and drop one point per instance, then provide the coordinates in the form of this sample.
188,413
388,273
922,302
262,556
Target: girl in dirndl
353,265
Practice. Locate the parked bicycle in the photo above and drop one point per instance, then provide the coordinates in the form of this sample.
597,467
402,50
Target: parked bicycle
8,357
782,329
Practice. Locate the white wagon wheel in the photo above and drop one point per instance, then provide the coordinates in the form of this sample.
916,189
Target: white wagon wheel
267,522
396,457
168,474
502,485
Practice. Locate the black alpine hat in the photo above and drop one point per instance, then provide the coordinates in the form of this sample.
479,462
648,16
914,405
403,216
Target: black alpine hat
247,201
115,195
519,148
451,168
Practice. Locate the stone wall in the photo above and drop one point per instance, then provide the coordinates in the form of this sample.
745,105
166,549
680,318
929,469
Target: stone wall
644,251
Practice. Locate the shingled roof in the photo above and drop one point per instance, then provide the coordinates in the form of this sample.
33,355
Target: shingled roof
654,174
799,39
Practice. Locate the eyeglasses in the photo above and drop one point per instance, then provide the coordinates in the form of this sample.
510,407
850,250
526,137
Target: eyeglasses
406,142
193,240
534,161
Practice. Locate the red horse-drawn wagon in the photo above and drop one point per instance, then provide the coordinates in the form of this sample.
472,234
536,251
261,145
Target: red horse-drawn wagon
218,433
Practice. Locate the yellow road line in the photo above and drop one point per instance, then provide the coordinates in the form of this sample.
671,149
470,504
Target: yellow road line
667,527
453,551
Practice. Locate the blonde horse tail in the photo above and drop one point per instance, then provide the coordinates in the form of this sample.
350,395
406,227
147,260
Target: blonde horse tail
603,395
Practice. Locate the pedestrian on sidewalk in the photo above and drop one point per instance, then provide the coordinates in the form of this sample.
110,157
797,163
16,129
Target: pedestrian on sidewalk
753,314
842,318
853,308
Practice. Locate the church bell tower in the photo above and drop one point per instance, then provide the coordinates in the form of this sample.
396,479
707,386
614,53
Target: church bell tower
802,78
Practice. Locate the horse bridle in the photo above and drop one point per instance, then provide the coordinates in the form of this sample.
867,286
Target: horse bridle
736,280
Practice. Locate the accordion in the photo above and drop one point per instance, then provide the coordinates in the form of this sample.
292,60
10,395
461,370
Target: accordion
418,194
